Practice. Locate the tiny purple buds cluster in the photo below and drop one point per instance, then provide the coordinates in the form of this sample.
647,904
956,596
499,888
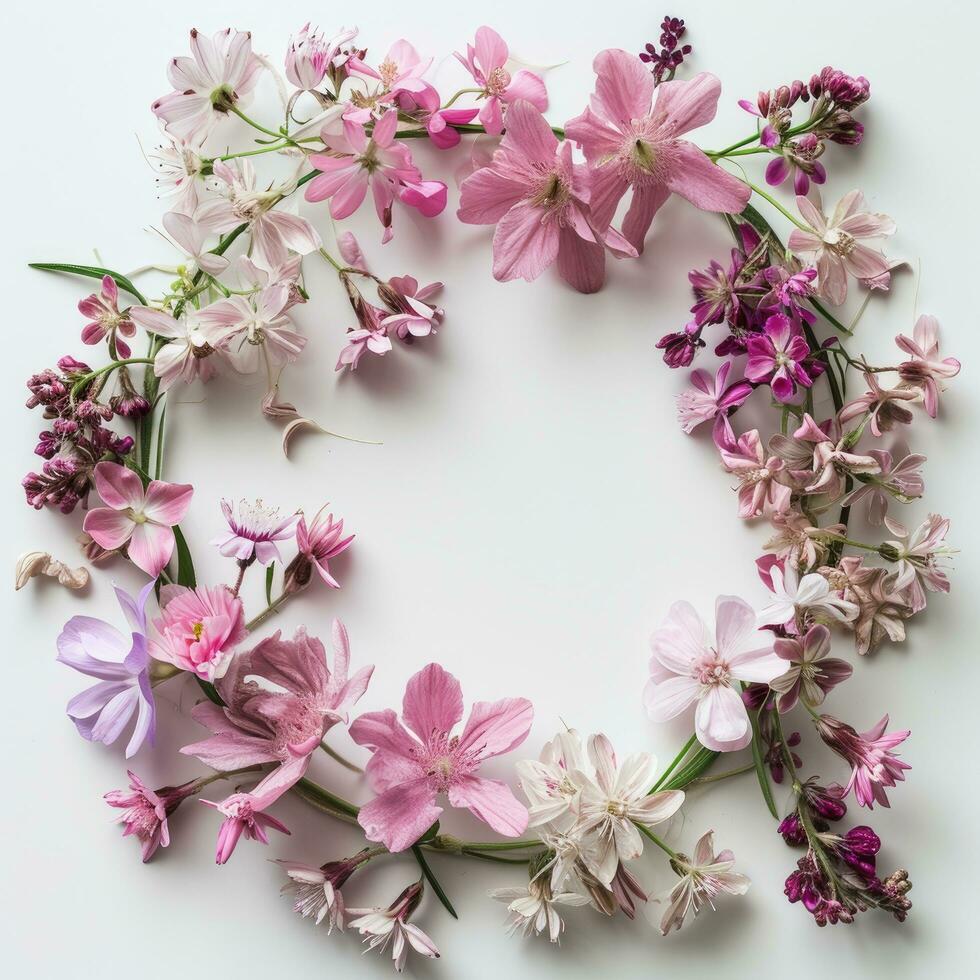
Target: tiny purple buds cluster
665,60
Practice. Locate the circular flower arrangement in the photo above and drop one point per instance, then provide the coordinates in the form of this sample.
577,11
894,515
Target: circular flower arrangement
575,834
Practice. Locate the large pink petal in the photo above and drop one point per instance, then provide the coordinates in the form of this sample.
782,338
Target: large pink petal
756,666
295,231
524,244
606,189
582,264
350,195
167,503
529,87
382,730
385,769
647,201
668,698
118,486
400,815
487,195
110,529
681,640
433,702
496,727
734,623
529,135
721,721
865,263
703,183
490,49
623,87
687,104
493,802
150,547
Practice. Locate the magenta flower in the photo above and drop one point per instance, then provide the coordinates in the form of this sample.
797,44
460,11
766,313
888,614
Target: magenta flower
801,159
143,520
874,766
680,346
410,770
811,673
99,650
320,542
145,811
539,201
243,818
485,61
199,629
223,71
709,397
440,123
629,142
253,533
776,356
925,370
105,320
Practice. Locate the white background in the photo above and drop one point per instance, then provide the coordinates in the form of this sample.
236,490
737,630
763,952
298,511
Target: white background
531,515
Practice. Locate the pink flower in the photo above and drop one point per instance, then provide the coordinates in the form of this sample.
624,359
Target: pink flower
709,397
901,480
222,71
280,700
320,542
188,355
797,596
141,519
105,320
440,123
883,405
410,771
777,356
875,766
414,314
199,629
760,491
485,61
309,56
686,668
811,672
835,243
630,143
925,370
401,70
539,201
254,532
917,554
242,818
145,811
382,926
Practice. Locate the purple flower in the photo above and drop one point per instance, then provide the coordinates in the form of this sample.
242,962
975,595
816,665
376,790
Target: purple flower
776,356
96,648
799,158
679,348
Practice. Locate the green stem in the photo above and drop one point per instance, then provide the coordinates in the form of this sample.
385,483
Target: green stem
768,197
680,755
273,607
647,832
433,880
86,379
723,775
268,132
337,757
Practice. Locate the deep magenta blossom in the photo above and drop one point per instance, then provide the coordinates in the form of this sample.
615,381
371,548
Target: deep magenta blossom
631,138
411,767
776,357
145,811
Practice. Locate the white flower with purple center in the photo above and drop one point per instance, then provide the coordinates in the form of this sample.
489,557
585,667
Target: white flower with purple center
252,533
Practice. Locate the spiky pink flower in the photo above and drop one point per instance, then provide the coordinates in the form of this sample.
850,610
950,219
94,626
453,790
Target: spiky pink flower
322,540
243,818
874,766
409,769
709,397
145,811
925,370
105,320
631,138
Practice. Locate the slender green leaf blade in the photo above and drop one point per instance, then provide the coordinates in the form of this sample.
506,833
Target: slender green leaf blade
92,272
185,564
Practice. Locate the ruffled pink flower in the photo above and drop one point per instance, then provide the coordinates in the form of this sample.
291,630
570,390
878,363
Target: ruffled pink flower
629,142
834,244
252,533
145,811
776,356
410,770
925,370
415,315
141,519
105,320
760,491
709,397
199,629
223,71
811,673
539,201
280,700
687,668
486,60
874,766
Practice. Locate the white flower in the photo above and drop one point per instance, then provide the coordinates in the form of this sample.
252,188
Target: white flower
533,908
702,881
192,237
178,167
550,782
812,593
381,926
615,801
314,895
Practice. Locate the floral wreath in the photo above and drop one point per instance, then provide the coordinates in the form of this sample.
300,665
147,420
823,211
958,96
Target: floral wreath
553,195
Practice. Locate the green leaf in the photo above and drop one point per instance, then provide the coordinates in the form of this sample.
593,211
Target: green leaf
433,881
760,765
209,689
185,564
430,834
702,760
268,582
93,272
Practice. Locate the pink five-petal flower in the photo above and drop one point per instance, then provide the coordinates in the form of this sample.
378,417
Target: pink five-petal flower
141,519
410,770
630,137
539,201
688,668
776,356
709,397
925,370
760,490
811,673
105,320
485,60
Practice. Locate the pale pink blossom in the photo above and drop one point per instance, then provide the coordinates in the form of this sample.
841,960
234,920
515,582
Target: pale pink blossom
539,201
187,356
322,540
415,316
316,892
382,926
223,71
811,673
798,540
193,238
409,769
688,668
309,55
141,519
532,907
552,782
709,397
925,370
702,880
198,629
145,811
105,320
917,553
486,61
760,488
178,167
835,246
900,480
883,406
243,817
253,532
400,71
810,595
631,138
